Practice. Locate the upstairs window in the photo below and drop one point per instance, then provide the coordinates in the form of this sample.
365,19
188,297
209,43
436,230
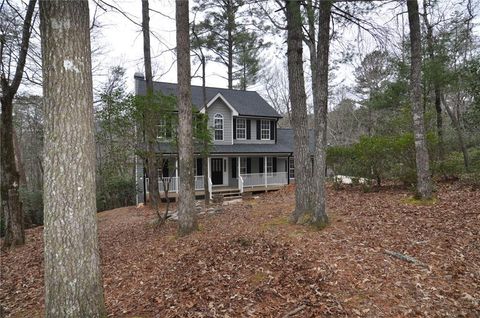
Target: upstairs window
265,129
218,126
241,128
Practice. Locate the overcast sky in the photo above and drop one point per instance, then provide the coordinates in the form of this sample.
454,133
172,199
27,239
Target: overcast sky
121,42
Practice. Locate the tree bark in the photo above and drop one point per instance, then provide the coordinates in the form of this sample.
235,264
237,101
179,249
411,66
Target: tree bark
436,85
150,117
424,184
187,220
205,143
73,281
303,166
10,199
320,217
231,27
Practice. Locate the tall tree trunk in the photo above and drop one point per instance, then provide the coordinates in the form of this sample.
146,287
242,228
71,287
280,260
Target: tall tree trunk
424,183
436,84
187,220
10,199
19,161
22,180
205,142
303,166
150,118
230,60
320,217
11,205
73,279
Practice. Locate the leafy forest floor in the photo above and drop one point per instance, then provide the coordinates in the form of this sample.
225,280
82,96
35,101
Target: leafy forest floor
250,262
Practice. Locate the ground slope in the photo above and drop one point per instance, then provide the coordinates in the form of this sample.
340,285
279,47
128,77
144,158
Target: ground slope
249,262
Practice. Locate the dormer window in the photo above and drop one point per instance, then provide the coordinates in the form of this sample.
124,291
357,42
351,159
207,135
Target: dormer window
218,126
265,129
241,128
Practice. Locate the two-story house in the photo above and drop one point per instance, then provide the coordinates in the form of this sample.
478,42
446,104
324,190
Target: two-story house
249,152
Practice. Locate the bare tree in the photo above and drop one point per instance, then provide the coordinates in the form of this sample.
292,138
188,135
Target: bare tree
320,106
198,43
10,179
424,183
298,98
436,85
150,120
186,205
73,282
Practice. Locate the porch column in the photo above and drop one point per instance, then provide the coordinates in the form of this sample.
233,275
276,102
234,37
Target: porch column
176,182
207,175
238,174
265,170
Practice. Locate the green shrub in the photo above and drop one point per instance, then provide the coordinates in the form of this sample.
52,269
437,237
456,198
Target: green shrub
378,158
116,192
453,165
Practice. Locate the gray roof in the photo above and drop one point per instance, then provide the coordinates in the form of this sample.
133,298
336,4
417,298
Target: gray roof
284,145
246,103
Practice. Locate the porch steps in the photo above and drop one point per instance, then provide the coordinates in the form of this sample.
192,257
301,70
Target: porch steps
229,194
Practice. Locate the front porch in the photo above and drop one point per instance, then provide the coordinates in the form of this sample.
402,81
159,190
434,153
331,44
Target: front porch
232,174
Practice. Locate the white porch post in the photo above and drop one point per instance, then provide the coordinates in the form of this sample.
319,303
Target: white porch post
208,168
210,190
238,173
265,170
176,183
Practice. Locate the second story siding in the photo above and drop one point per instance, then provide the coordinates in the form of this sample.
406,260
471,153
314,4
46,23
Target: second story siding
219,107
253,133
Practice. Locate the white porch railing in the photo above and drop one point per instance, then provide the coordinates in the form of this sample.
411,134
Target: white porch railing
262,179
199,183
172,187
244,181
277,178
253,179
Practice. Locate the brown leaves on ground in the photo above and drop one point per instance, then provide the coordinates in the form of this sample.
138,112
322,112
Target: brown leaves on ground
249,262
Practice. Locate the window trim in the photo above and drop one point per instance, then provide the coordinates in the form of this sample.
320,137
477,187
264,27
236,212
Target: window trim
244,129
262,129
216,117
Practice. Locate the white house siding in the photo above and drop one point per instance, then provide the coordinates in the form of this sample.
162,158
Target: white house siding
253,130
219,107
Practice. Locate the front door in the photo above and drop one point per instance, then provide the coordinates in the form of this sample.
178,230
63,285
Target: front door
217,171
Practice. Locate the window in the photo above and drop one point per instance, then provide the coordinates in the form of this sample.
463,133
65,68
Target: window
243,165
291,169
241,128
218,126
270,165
162,129
265,129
